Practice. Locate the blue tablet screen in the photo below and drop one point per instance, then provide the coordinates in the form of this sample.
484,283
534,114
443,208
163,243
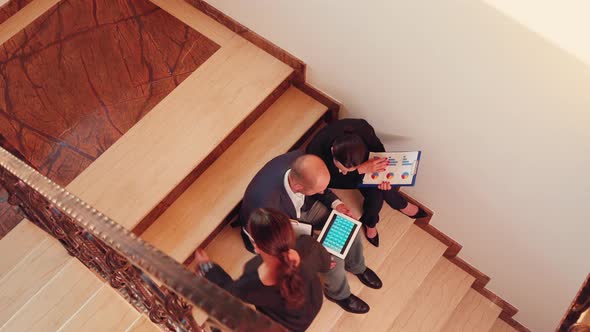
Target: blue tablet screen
338,234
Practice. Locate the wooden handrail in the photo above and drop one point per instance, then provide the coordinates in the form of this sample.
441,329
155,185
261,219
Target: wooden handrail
12,150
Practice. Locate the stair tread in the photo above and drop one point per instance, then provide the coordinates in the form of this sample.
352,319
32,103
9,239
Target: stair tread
475,313
197,20
29,276
105,311
143,324
18,243
403,271
502,326
436,299
203,206
392,228
57,301
22,18
227,250
168,143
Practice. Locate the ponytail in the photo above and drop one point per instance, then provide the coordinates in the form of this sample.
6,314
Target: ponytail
291,283
273,234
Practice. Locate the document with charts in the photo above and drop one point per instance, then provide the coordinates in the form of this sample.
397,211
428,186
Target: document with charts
401,170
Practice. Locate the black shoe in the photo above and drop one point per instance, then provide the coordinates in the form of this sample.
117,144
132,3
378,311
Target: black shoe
352,304
370,279
372,240
420,214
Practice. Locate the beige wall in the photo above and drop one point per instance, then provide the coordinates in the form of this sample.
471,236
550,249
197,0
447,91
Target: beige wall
564,23
502,115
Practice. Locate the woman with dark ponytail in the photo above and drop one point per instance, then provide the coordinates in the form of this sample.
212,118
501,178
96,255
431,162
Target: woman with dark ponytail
282,280
344,145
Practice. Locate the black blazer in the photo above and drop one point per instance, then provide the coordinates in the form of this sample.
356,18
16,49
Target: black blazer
267,189
321,146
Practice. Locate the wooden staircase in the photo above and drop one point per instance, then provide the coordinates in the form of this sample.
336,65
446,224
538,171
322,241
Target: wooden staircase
175,179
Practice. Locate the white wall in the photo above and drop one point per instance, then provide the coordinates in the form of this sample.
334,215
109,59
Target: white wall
502,115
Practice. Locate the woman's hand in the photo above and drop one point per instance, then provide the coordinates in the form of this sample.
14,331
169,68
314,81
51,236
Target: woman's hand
201,256
374,165
384,186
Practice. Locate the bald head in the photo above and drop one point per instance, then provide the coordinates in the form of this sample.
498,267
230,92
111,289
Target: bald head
309,175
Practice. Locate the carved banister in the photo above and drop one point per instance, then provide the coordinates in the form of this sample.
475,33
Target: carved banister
577,318
151,281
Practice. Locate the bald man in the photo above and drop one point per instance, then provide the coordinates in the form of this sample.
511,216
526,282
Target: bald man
296,184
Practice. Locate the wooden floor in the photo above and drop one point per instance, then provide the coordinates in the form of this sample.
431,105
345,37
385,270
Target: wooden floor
43,289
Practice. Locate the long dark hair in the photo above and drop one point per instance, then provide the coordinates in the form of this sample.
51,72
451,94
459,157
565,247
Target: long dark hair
349,149
272,232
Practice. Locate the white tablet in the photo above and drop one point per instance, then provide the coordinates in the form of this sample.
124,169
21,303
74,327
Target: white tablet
339,233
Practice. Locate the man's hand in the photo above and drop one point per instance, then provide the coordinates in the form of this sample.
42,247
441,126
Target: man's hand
384,185
332,262
342,208
374,165
201,256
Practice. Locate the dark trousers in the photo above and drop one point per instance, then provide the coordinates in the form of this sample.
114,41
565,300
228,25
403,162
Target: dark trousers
374,197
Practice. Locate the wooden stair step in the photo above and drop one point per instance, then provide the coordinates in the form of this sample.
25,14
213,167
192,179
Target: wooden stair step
502,326
30,275
158,152
404,270
57,301
21,19
19,243
475,313
105,311
143,324
435,300
227,250
204,205
393,226
197,20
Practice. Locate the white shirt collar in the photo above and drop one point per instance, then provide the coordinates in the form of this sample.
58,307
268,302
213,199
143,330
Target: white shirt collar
297,198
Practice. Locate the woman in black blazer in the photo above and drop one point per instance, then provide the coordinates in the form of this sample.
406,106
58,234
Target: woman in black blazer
344,145
282,280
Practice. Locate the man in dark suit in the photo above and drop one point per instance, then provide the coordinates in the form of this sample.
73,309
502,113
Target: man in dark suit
296,184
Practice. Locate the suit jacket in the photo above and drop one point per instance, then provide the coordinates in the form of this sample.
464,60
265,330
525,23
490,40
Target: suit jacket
267,189
321,146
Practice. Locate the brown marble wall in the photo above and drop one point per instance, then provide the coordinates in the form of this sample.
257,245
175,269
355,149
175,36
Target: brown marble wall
82,74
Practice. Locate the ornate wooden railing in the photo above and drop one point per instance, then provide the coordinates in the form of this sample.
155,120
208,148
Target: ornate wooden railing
577,318
151,281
